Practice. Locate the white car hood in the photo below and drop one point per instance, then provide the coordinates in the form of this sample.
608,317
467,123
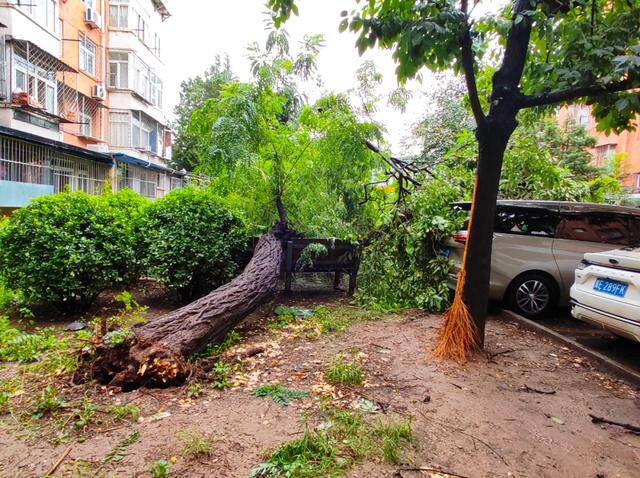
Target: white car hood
629,258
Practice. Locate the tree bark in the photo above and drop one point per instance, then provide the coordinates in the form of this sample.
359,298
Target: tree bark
477,264
157,353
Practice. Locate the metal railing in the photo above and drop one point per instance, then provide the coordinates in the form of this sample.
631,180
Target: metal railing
48,174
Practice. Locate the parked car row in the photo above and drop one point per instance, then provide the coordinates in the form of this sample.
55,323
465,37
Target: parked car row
540,248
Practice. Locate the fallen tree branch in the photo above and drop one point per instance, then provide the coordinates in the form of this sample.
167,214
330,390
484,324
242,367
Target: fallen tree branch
527,388
632,428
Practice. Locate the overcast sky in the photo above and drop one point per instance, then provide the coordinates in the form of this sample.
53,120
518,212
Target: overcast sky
200,29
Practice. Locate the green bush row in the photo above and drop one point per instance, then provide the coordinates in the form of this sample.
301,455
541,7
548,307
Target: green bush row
67,248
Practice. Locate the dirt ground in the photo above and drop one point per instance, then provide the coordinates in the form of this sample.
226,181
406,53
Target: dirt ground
484,419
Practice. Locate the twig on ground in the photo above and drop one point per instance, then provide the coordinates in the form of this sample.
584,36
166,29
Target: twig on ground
491,356
527,388
431,470
632,428
55,466
624,443
142,391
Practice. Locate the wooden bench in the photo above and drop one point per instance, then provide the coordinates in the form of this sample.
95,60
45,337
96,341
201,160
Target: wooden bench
341,258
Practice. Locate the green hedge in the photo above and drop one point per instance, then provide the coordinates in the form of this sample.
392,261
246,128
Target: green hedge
192,242
67,248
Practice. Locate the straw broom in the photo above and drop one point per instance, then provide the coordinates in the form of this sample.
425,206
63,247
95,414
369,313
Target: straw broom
458,337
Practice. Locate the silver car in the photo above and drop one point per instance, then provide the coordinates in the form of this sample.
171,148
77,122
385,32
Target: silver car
537,246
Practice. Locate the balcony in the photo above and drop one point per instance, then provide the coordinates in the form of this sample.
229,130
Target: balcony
29,170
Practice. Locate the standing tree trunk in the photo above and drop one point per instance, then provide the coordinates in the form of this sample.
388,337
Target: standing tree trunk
156,354
464,323
492,142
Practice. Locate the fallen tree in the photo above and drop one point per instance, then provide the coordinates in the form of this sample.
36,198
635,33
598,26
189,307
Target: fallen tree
156,352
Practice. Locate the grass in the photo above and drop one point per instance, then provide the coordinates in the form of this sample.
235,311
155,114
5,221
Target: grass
160,469
213,350
197,445
125,412
47,402
194,390
18,346
117,452
222,371
331,449
343,372
280,394
319,320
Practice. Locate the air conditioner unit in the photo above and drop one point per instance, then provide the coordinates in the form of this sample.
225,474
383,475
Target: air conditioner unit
98,92
92,18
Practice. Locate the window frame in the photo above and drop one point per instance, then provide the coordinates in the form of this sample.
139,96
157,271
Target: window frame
87,50
564,215
122,80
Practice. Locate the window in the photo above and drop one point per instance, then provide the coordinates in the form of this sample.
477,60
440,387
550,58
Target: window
146,83
528,221
119,14
142,29
41,11
50,14
87,56
583,116
118,69
156,44
90,4
119,128
38,83
604,153
606,228
86,121
27,5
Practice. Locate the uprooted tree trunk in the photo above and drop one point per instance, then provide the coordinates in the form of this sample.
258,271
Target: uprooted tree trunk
156,354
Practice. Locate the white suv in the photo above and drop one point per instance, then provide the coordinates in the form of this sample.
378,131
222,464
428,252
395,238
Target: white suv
606,291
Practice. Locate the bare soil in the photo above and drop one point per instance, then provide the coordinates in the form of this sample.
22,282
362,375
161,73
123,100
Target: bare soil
483,419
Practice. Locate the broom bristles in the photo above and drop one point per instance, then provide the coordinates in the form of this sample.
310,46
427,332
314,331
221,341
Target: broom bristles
457,339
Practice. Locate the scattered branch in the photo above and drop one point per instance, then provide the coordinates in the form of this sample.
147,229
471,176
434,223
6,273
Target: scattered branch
55,466
527,388
430,470
632,428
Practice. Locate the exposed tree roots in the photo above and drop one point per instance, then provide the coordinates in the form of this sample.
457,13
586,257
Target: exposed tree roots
156,355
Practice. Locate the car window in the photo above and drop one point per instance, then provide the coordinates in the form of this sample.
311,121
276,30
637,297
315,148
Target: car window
526,220
634,222
606,228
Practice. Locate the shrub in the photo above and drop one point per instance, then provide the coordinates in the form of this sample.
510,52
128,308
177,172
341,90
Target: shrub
194,243
403,265
67,248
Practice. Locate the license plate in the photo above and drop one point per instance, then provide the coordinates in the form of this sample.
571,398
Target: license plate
611,287
446,252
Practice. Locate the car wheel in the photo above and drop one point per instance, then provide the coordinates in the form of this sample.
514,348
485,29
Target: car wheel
532,295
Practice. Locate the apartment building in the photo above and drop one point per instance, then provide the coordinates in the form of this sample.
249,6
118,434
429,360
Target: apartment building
625,146
81,99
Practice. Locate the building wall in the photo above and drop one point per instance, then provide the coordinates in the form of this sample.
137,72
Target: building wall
55,32
39,25
72,14
137,37
625,144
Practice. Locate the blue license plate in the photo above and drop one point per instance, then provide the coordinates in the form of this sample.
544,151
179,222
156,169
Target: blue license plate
611,287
